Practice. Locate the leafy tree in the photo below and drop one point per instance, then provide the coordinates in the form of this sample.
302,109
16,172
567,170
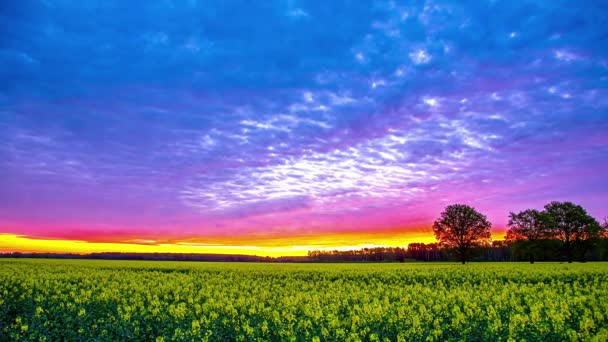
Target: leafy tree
571,224
461,228
527,228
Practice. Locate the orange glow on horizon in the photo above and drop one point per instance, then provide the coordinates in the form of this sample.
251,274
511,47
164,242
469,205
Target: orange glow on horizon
296,246
293,246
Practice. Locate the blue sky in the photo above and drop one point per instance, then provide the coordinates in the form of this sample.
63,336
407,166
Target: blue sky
192,120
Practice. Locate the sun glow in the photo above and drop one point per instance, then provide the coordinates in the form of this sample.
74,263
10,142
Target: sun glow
288,246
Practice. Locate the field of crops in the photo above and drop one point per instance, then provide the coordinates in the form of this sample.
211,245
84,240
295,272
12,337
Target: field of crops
47,300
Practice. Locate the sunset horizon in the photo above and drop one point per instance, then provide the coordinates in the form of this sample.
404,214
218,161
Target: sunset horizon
293,126
303,170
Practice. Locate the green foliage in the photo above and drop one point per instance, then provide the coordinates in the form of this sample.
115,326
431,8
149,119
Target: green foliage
75,300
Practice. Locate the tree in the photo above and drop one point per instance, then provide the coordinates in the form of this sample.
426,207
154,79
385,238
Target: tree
571,224
460,228
602,246
527,228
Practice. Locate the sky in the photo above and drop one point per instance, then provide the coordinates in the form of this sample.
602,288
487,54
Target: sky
277,127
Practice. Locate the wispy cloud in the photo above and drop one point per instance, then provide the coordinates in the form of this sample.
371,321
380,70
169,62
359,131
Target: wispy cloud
295,117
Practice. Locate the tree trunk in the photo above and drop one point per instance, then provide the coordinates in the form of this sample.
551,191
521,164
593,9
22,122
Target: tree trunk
463,255
531,258
568,252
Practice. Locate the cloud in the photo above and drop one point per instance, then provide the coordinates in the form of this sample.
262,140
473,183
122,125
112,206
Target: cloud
295,114
420,56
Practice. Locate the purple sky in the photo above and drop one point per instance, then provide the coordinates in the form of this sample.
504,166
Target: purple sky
196,121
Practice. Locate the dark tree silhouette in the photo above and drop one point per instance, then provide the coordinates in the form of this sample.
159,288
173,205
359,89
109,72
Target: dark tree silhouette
460,228
571,224
527,228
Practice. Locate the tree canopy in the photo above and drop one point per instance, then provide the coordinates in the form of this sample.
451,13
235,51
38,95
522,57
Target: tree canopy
460,228
571,224
527,228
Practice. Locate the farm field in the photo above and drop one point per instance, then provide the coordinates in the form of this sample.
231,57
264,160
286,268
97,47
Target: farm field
76,300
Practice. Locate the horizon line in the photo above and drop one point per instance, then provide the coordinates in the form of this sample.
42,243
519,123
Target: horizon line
300,247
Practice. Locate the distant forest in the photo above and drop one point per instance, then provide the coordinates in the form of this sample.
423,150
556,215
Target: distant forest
551,250
548,250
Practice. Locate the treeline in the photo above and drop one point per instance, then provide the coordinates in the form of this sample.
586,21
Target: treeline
560,230
500,250
156,257
553,250
414,252
563,231
494,251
